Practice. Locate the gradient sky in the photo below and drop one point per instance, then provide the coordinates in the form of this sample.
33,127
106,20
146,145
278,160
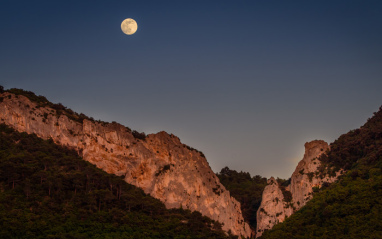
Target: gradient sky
246,82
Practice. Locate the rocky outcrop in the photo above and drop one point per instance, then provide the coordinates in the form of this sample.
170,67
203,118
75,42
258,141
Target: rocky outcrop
279,202
305,176
160,164
274,207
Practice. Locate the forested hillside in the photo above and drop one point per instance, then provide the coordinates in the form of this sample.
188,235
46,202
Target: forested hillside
351,207
47,191
246,189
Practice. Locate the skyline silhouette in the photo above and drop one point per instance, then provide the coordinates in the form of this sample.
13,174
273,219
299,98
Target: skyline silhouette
246,83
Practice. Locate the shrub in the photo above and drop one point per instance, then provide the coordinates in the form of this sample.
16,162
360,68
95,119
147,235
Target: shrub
138,135
310,176
164,169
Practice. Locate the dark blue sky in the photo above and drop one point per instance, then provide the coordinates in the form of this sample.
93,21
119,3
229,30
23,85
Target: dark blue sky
246,82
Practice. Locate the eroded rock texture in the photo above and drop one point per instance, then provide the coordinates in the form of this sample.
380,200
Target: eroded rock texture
273,208
161,165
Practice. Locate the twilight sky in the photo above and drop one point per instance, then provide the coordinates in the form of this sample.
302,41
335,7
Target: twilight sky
245,82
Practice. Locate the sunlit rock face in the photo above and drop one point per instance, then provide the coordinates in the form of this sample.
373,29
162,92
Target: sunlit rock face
273,208
304,179
160,164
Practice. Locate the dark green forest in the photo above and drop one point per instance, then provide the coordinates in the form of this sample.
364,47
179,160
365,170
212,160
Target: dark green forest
351,207
48,191
246,189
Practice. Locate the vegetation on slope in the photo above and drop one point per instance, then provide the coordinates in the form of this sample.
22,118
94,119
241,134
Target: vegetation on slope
360,146
60,109
47,191
246,189
351,207
43,102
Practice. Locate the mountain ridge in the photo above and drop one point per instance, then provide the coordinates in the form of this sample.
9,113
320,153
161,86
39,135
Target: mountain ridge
160,164
280,202
180,176
351,206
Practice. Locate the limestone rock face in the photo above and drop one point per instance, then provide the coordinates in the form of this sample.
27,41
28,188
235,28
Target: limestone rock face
161,165
304,177
303,180
273,207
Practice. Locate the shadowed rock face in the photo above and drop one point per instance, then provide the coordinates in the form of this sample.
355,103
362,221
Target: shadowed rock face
161,165
274,209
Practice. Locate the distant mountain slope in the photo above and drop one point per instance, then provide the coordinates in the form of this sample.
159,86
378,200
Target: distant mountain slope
48,191
351,207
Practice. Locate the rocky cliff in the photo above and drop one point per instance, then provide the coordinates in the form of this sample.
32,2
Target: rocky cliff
279,202
274,207
160,164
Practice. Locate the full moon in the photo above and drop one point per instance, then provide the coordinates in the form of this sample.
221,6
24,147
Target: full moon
129,26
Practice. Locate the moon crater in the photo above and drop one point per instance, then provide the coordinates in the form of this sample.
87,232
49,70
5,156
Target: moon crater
129,26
